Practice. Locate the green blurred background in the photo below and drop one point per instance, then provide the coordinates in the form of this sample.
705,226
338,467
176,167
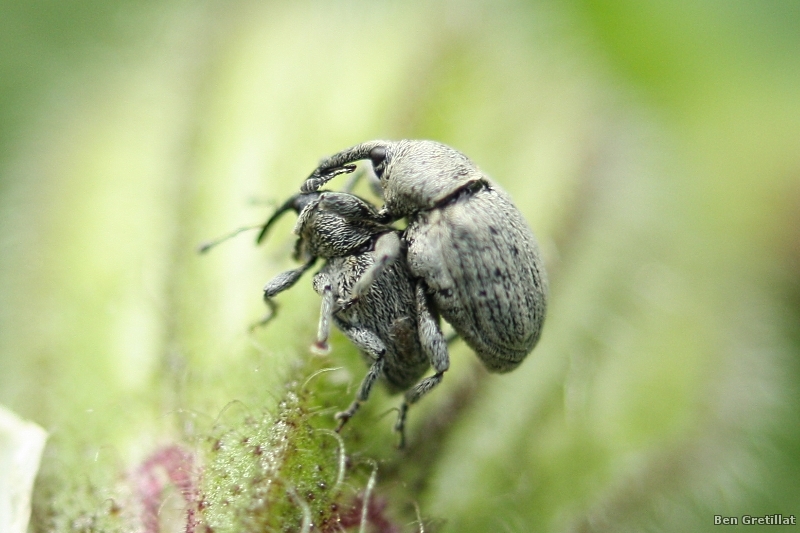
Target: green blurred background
654,147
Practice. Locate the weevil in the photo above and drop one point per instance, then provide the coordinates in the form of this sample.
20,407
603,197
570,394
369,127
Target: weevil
367,292
473,251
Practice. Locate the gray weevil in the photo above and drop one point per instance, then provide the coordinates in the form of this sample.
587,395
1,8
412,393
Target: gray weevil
471,247
367,292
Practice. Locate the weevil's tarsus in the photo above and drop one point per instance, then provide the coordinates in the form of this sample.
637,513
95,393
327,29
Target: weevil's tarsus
363,393
268,316
411,397
315,181
278,284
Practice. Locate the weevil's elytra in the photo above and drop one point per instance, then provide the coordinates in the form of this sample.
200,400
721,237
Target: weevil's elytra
465,240
488,288
367,292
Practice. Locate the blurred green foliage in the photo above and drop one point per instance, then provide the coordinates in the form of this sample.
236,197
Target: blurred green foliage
654,147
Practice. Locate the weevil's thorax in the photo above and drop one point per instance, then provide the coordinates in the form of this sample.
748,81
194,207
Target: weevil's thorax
326,234
420,174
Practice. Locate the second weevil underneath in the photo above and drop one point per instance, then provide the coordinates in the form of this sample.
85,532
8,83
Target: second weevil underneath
367,292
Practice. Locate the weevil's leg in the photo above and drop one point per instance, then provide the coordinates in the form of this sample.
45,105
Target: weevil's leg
400,425
430,334
323,285
413,396
318,179
330,166
287,279
435,347
278,284
370,344
272,310
387,249
363,393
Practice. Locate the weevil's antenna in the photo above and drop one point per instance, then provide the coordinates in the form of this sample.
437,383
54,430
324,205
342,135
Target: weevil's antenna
206,246
296,203
289,204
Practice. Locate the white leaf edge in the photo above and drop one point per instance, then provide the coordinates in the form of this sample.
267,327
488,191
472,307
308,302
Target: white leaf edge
21,446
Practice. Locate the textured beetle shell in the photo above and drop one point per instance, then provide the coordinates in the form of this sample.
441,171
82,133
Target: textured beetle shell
335,224
465,239
388,310
419,175
482,267
340,228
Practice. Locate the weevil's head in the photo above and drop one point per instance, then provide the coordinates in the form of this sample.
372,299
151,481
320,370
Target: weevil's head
329,224
414,175
337,224
419,175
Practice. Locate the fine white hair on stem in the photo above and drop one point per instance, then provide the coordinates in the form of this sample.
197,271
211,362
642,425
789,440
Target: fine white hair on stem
229,406
304,507
419,519
373,477
342,457
318,372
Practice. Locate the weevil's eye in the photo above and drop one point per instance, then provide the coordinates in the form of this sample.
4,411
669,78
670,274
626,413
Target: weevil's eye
378,157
